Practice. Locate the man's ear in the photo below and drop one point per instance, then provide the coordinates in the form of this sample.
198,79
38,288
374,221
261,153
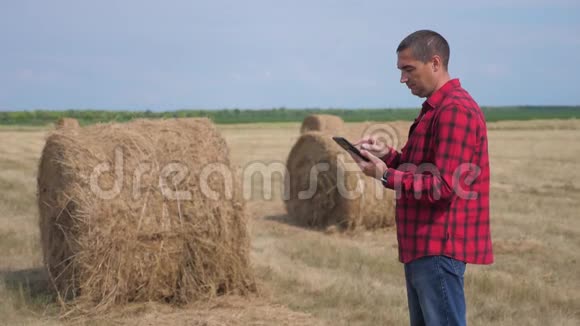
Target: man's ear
436,63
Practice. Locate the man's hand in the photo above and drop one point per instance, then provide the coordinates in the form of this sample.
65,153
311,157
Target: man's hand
373,146
375,168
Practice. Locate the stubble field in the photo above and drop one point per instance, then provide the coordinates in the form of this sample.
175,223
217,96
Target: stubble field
309,277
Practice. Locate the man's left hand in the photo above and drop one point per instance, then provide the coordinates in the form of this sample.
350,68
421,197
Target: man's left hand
375,168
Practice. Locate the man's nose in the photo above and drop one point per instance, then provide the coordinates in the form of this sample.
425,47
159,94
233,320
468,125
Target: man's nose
404,78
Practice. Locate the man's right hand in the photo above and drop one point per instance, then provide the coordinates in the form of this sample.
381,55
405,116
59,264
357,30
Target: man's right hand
373,146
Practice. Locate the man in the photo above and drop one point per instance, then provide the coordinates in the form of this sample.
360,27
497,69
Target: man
441,179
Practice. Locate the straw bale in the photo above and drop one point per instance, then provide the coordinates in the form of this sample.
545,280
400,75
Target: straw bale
322,122
328,189
69,123
109,240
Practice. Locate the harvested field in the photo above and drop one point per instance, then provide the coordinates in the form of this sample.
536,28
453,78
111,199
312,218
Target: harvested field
310,277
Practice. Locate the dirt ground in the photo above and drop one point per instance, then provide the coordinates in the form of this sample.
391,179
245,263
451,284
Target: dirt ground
309,277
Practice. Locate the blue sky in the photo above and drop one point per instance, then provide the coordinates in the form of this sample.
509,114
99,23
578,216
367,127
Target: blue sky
174,54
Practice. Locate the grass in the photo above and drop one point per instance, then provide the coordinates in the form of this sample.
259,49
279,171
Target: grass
343,279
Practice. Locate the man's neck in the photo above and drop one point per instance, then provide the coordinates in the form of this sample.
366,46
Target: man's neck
442,81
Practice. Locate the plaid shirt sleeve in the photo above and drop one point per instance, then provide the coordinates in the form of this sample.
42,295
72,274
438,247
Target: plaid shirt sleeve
454,143
392,158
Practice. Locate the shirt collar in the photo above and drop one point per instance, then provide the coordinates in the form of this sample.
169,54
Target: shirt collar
435,100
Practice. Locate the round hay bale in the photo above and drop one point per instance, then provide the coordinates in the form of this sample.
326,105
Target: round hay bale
328,189
67,123
142,211
322,122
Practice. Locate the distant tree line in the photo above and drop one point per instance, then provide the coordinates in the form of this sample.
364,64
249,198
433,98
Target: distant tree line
44,117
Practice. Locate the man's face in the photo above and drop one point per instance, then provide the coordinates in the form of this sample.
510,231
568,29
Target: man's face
418,76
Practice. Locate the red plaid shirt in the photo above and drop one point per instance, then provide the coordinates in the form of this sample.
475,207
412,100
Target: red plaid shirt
441,178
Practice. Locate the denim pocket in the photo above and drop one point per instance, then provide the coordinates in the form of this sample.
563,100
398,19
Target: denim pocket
453,266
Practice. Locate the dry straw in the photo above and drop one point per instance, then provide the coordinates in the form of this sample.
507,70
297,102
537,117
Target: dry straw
343,195
322,122
67,123
140,245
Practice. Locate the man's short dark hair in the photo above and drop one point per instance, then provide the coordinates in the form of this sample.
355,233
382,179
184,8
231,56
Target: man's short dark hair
424,44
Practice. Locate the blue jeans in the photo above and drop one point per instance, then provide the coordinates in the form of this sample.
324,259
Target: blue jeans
435,291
